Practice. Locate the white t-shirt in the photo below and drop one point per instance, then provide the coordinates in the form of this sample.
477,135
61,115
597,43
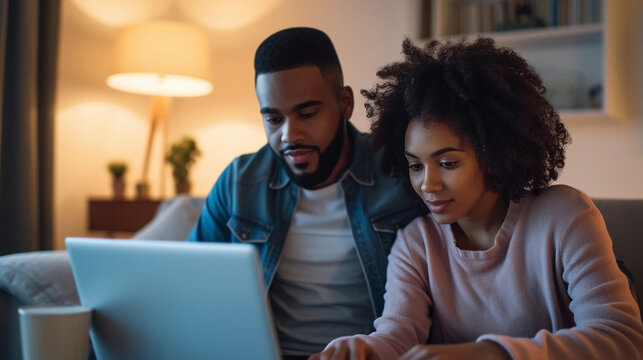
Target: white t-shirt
319,291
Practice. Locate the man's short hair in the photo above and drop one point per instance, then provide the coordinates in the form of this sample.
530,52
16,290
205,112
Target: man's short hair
295,47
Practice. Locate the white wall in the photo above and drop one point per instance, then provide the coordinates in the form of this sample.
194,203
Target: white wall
95,124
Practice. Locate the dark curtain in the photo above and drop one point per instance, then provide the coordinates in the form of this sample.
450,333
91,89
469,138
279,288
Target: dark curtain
28,51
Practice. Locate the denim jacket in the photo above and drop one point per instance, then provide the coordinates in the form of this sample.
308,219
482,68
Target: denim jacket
253,201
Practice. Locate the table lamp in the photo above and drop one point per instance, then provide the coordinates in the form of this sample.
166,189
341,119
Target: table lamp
163,59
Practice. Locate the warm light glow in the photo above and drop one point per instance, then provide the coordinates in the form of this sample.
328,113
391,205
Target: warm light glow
161,58
115,13
220,143
155,84
227,14
214,14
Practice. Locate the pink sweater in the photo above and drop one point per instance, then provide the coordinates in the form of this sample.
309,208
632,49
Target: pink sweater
548,288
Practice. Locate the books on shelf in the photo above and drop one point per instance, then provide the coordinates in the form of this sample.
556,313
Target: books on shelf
481,16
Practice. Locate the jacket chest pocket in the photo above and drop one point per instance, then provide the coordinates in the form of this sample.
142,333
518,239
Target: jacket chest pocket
248,230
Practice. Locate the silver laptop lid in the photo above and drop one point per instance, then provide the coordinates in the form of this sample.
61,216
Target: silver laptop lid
173,300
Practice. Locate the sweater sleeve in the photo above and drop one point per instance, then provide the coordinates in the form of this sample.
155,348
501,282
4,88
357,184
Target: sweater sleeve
607,319
406,320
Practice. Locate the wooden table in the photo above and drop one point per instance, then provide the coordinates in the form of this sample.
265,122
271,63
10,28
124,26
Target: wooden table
112,215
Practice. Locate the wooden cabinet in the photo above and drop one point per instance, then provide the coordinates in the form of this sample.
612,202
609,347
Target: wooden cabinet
583,52
120,215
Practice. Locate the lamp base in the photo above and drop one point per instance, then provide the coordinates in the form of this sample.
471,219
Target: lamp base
142,190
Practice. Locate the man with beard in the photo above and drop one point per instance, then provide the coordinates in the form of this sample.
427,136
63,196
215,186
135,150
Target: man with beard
313,200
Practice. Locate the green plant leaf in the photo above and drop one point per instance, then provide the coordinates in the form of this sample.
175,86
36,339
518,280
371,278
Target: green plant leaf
181,156
117,168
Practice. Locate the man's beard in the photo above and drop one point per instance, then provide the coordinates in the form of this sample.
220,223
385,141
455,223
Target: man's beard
327,159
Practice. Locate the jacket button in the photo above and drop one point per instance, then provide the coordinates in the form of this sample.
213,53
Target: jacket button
244,236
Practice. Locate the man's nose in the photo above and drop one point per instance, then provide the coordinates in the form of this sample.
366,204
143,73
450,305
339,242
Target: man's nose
290,131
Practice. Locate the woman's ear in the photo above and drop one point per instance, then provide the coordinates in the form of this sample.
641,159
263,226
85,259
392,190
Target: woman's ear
346,102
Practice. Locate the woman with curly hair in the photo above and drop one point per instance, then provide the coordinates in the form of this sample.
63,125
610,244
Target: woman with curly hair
505,265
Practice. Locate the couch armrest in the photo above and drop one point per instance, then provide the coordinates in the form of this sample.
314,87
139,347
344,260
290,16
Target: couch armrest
623,220
39,278
31,278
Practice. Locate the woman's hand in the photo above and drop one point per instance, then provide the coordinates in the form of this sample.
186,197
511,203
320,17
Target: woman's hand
345,349
484,350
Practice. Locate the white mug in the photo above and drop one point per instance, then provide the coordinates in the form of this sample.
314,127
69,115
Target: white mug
54,332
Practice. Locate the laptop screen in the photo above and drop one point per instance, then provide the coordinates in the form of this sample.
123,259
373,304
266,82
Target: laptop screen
173,299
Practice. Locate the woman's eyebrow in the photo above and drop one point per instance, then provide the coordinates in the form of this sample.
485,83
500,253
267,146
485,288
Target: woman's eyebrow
435,153
411,155
444,150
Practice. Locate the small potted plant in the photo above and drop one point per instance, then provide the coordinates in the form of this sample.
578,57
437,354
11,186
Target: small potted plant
181,156
118,170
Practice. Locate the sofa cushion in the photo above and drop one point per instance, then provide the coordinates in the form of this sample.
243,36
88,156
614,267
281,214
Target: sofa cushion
173,221
39,278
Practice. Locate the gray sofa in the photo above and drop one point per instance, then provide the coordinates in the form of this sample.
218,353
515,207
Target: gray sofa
45,277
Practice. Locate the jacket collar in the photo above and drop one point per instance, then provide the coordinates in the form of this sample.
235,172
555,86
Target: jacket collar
361,165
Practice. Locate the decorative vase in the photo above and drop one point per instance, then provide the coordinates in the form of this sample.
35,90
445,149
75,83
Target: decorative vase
118,186
182,186
142,190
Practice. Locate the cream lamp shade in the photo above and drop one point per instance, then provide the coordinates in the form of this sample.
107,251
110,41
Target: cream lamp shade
161,58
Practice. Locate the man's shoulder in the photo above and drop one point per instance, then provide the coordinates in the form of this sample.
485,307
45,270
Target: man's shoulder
383,193
378,179
362,138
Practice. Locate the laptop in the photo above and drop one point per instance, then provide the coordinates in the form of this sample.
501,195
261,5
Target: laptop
173,299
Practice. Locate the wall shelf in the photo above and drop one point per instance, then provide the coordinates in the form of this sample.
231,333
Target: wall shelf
573,60
563,35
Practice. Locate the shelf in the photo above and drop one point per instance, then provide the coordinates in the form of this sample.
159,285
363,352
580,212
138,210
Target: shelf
569,59
573,60
550,36
584,115
595,53
562,35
